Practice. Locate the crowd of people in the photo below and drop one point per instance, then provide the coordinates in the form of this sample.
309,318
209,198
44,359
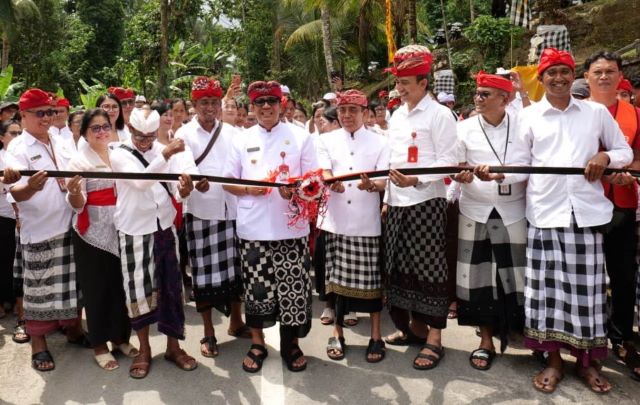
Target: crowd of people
512,254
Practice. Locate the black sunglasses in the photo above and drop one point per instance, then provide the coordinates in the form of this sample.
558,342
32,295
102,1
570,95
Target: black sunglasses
41,113
267,100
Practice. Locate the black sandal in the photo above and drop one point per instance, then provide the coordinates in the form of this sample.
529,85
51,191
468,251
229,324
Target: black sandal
631,358
376,347
212,346
404,339
20,329
82,341
290,356
336,344
434,360
482,354
257,358
38,359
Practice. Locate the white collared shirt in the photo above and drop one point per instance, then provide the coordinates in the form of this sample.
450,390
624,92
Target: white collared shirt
436,141
479,198
6,210
569,138
215,204
64,132
142,203
253,156
46,214
354,212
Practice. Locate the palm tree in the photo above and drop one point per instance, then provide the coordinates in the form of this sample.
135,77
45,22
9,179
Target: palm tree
11,13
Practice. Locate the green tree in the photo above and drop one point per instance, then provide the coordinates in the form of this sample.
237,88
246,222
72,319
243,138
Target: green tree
12,12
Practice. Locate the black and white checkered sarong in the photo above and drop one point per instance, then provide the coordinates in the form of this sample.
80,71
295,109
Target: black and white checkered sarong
415,258
521,13
490,273
550,36
213,257
444,81
352,266
565,286
49,271
138,273
277,286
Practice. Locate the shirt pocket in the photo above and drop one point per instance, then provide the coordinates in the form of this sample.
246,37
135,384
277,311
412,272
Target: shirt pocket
245,204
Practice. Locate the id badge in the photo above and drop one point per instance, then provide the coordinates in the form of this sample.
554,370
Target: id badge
412,154
62,185
504,189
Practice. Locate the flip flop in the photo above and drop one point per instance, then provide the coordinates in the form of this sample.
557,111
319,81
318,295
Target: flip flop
549,382
594,379
482,354
212,346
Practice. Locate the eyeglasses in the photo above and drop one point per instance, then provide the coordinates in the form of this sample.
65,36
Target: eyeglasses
482,94
260,102
95,129
144,137
126,103
110,107
41,113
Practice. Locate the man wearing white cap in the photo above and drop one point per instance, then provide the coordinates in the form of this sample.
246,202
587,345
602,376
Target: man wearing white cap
140,101
144,219
449,101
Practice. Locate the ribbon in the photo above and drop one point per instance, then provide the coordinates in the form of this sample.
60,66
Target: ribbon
414,171
100,198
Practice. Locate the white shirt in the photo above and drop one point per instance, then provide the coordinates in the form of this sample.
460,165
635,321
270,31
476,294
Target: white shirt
46,214
354,212
6,210
479,198
142,203
253,156
569,138
215,204
436,141
64,132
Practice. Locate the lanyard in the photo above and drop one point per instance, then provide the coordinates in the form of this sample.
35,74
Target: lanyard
52,153
506,144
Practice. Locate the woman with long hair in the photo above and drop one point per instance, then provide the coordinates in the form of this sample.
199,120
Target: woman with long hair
112,106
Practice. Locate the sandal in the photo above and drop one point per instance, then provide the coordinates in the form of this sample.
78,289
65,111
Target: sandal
127,349
38,360
328,316
482,354
20,334
242,332
104,359
375,347
593,379
212,346
142,364
82,341
336,345
181,359
257,359
290,356
434,360
631,358
452,313
401,339
549,382
350,319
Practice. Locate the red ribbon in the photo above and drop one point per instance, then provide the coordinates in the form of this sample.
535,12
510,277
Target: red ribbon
178,206
100,198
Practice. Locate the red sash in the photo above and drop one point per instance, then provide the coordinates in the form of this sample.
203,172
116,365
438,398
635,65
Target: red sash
100,198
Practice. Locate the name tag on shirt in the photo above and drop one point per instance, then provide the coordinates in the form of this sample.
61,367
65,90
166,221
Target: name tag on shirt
34,158
254,149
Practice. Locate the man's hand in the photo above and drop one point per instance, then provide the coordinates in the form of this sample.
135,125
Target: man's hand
175,146
10,176
464,177
400,180
337,187
482,172
202,185
37,181
74,186
185,185
595,166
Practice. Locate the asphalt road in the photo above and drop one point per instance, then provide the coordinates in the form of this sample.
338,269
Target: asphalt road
78,380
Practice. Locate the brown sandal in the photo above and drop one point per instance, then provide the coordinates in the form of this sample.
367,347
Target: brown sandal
547,380
594,379
140,363
182,360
